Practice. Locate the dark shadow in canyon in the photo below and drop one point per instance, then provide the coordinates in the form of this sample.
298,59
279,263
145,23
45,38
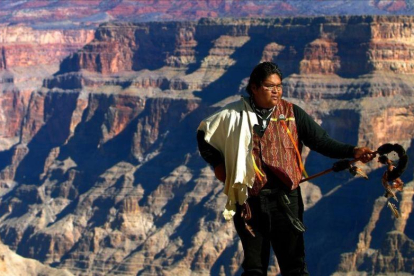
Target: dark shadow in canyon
91,160
173,152
190,224
179,194
341,125
154,45
353,49
58,108
331,215
204,44
408,177
69,64
85,148
6,158
248,56
386,221
228,84
225,258
202,51
342,215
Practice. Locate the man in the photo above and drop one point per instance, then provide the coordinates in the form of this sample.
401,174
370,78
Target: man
254,146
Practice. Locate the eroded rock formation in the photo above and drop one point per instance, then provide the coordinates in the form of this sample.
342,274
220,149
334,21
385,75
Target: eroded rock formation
99,169
59,13
12,264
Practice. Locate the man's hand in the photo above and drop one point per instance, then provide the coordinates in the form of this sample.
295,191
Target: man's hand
220,172
364,154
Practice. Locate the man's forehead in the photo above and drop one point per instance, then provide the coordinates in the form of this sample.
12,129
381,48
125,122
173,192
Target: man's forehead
275,81
273,78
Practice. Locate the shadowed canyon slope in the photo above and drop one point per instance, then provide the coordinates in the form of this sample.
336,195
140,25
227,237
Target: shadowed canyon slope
99,169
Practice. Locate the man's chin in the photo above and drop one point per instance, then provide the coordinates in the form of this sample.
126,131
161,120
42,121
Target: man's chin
275,102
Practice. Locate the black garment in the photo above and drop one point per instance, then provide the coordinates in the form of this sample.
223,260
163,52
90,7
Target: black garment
207,151
272,227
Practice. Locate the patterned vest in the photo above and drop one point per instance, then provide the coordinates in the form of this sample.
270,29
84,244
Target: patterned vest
275,153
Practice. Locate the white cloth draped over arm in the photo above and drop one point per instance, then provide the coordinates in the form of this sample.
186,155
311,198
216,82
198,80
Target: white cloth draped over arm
230,132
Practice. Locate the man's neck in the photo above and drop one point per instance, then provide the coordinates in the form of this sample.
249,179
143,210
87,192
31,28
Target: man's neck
258,109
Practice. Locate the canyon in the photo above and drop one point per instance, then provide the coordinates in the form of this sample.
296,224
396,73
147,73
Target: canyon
64,14
99,168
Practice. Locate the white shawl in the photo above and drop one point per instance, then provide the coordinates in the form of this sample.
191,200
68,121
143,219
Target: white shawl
230,131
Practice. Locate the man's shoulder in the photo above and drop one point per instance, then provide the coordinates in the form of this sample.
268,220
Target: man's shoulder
298,112
286,103
286,107
231,108
228,117
235,106
295,107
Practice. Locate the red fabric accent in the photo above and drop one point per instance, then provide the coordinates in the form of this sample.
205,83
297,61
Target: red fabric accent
275,151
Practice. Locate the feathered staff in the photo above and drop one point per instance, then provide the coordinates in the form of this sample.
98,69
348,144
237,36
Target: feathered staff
390,179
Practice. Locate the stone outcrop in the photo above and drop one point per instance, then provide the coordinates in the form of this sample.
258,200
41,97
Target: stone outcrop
12,264
99,169
392,251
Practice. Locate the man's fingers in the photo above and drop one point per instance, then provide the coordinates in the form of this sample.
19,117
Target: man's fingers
364,154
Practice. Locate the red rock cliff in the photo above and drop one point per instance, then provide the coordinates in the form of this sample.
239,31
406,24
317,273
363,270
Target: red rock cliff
105,176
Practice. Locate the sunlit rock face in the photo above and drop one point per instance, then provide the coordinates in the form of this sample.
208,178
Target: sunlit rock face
12,264
99,168
29,55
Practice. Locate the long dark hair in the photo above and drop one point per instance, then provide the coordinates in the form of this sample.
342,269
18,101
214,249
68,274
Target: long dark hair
261,72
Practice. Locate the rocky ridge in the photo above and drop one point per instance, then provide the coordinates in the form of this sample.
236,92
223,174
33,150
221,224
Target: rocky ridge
101,173
12,264
60,13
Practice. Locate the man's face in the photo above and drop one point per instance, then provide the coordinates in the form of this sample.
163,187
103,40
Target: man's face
269,93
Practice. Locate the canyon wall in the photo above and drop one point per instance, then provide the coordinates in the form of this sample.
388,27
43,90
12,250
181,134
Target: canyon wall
59,13
99,168
28,56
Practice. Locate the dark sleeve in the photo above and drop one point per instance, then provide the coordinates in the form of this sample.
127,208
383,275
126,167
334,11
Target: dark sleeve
315,137
210,154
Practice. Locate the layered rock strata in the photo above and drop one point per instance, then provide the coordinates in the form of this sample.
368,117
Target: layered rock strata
58,13
27,57
105,177
12,264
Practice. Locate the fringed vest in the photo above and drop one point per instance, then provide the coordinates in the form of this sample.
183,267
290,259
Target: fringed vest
275,153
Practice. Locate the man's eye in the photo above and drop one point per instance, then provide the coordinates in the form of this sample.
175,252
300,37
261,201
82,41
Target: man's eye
273,86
